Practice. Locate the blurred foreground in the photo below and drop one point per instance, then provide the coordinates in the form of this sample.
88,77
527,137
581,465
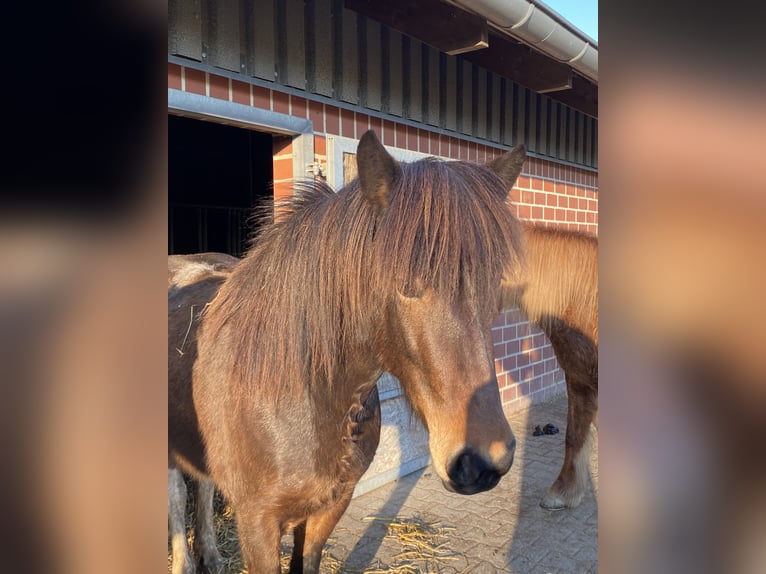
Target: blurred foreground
682,484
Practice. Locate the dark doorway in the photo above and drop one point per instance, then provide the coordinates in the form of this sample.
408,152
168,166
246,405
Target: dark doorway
216,174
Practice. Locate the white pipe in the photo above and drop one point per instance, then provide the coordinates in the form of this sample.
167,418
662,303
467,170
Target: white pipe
532,24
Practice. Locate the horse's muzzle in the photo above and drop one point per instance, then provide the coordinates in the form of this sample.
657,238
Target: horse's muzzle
470,473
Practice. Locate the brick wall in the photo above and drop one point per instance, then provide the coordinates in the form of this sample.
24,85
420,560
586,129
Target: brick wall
547,192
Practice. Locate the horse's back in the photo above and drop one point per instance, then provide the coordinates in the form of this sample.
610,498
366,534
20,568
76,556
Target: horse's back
184,269
561,279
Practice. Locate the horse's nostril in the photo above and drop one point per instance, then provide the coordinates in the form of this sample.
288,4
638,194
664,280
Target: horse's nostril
469,473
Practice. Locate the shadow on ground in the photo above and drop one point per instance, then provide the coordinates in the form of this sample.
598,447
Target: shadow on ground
502,530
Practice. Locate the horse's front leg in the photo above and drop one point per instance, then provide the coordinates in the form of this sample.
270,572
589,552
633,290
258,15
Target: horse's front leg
205,540
183,562
259,539
311,536
568,489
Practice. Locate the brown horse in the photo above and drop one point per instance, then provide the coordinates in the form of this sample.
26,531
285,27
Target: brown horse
193,280
397,271
559,293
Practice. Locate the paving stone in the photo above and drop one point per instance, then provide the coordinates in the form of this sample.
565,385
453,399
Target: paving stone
503,530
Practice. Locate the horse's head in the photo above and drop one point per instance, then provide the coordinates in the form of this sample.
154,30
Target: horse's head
444,237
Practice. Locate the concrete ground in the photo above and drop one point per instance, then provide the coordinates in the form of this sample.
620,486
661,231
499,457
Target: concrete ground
414,525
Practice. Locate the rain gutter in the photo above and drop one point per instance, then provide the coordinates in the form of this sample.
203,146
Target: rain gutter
540,27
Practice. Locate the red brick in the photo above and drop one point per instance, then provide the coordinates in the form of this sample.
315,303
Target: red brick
463,150
524,212
320,145
261,98
527,197
283,168
316,115
412,138
537,212
174,76
509,363
219,87
376,125
347,124
540,198
362,124
298,106
240,92
389,133
548,185
195,81
281,102
400,133
423,141
560,215
332,119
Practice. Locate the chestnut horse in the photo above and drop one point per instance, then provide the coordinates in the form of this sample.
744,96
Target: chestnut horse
398,271
559,293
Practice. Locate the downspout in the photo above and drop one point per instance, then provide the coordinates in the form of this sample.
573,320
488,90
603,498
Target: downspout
540,27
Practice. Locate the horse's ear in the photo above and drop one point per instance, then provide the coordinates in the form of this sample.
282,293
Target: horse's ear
377,170
508,166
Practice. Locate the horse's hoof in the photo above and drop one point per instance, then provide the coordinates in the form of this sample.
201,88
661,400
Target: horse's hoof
537,431
552,502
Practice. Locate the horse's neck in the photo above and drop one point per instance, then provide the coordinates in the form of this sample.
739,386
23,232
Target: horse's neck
355,374
330,410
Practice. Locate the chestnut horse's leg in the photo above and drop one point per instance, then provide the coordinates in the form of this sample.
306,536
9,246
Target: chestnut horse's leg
182,559
259,538
204,541
568,489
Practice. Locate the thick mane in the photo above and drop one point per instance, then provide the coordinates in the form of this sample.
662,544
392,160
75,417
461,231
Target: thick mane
561,280
315,280
448,228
